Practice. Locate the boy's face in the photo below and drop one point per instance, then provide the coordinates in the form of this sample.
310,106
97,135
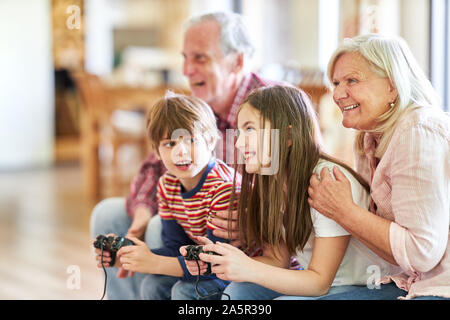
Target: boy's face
185,156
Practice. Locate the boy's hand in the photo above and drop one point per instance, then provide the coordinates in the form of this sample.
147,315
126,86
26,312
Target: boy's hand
121,273
106,256
137,258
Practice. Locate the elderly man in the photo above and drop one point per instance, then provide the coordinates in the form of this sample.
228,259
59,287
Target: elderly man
216,47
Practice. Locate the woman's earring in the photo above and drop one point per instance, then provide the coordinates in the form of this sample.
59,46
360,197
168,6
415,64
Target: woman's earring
392,104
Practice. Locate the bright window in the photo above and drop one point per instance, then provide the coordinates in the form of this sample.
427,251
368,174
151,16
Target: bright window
440,50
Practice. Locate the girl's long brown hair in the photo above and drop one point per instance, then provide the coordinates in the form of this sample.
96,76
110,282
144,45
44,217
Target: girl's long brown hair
274,208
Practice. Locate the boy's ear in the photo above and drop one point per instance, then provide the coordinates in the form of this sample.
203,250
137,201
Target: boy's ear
211,143
155,150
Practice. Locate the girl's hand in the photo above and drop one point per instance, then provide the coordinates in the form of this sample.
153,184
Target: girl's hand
231,264
136,258
331,197
192,265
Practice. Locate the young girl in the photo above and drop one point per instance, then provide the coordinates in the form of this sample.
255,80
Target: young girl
276,140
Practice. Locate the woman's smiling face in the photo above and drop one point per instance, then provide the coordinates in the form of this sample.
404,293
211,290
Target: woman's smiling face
360,93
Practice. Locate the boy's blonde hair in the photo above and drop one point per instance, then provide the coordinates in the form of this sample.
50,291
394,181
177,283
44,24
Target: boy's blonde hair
177,111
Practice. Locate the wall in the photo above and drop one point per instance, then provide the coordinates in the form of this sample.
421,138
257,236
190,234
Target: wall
305,28
26,84
99,37
415,29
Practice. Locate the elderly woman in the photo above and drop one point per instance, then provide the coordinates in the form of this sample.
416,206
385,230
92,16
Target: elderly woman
402,150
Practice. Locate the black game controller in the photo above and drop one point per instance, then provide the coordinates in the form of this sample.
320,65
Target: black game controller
112,245
193,252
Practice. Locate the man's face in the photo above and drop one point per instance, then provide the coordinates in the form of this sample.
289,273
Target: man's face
209,72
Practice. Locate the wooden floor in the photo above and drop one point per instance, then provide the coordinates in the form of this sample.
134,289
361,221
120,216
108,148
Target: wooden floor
45,247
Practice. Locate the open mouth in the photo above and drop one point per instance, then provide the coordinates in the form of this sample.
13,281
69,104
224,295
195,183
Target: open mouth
183,165
353,106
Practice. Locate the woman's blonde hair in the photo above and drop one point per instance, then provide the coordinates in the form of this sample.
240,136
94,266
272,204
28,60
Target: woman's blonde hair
176,111
275,208
389,57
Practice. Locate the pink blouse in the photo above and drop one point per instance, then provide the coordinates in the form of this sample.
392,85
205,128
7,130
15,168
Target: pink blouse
410,186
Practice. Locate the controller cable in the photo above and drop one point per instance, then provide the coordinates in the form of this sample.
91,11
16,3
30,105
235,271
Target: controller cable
209,295
106,275
196,282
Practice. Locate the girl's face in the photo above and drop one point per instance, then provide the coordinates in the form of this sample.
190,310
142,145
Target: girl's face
253,140
360,93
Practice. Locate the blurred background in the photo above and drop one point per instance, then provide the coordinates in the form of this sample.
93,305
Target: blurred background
77,76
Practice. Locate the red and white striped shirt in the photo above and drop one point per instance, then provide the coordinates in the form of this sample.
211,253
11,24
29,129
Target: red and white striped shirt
194,209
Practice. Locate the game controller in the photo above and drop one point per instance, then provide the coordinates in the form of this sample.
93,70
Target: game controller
193,252
112,245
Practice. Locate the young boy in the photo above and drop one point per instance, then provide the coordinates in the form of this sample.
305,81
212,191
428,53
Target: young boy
183,132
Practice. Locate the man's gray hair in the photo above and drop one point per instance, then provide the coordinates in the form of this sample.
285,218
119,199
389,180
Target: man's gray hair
234,35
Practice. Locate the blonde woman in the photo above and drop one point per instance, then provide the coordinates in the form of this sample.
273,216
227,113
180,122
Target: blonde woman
402,151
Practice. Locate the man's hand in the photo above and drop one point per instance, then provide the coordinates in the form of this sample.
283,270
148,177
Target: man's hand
141,218
221,221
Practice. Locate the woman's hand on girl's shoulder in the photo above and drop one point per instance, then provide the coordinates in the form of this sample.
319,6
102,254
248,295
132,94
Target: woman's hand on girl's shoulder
330,196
